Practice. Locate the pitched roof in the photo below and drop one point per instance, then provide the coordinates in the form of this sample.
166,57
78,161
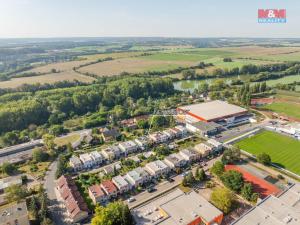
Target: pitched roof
109,186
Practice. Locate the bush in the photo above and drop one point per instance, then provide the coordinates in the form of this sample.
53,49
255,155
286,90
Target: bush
264,158
223,199
218,168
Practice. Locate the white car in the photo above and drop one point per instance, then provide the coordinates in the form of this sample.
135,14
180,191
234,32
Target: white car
131,199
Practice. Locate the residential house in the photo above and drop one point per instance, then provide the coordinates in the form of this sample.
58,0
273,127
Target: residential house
14,214
97,194
177,133
75,163
175,160
112,152
110,169
87,160
169,133
182,129
142,117
129,123
157,168
137,177
121,184
109,188
190,155
204,128
216,144
97,157
204,149
76,207
158,137
142,142
109,134
128,147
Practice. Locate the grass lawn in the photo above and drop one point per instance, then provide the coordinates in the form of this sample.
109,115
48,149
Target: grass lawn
67,139
40,170
287,108
284,151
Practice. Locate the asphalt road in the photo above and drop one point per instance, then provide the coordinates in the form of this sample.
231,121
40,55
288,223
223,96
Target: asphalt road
164,187
56,211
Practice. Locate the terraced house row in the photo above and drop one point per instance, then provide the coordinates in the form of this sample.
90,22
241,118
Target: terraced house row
93,159
110,189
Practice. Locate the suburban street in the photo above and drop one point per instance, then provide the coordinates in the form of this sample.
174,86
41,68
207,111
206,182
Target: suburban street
49,184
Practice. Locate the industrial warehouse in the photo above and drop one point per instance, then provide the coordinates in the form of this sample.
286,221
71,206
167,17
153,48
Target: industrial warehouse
217,111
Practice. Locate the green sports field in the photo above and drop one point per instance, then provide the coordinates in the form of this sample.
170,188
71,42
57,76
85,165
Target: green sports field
284,151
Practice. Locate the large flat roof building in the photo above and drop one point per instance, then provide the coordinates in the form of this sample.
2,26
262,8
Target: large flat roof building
283,209
176,208
212,111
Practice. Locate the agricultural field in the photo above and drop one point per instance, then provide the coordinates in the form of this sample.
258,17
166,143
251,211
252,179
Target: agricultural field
47,78
286,103
284,150
131,65
165,58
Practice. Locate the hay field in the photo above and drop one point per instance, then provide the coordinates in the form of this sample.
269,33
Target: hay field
48,78
131,65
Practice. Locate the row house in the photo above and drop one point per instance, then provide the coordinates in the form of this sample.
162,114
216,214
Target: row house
128,147
75,163
97,194
183,131
175,160
121,184
109,188
190,155
87,160
218,146
158,137
77,209
204,149
142,142
112,152
137,177
96,157
157,168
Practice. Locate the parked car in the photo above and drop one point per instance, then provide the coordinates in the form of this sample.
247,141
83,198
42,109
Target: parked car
131,199
151,189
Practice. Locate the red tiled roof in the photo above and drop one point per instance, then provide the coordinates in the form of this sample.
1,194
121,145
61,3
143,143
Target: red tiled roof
109,186
73,200
96,190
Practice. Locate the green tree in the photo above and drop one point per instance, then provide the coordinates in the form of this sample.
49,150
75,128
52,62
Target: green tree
231,155
233,180
115,213
200,174
264,158
47,221
223,199
8,168
217,169
33,207
48,140
247,191
39,155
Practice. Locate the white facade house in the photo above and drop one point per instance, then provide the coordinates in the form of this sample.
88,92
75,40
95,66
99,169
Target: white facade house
111,152
128,147
121,184
169,133
142,142
157,168
176,132
75,163
175,160
217,145
182,130
137,177
204,149
190,155
86,160
158,137
97,157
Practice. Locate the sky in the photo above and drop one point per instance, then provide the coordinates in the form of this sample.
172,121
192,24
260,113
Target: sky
144,18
